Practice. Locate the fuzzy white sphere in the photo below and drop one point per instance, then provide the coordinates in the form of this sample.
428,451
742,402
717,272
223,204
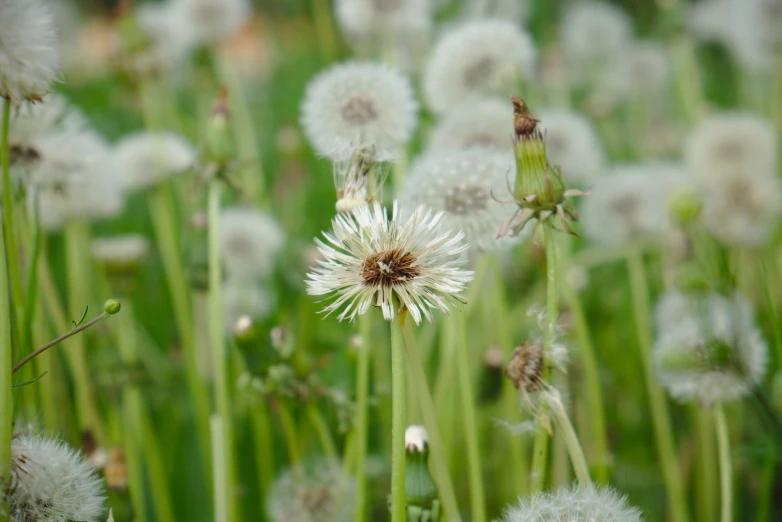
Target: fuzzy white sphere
320,492
594,30
383,18
359,102
29,60
208,22
242,298
572,144
514,10
640,70
480,122
249,242
147,158
477,58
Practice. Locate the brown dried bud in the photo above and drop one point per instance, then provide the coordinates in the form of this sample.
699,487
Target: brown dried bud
525,369
116,470
524,124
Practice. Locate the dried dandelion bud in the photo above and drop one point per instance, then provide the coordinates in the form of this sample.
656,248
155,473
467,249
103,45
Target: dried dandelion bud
525,368
421,496
354,183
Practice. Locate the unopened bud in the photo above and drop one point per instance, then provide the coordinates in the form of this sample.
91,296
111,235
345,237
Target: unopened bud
416,439
112,306
685,207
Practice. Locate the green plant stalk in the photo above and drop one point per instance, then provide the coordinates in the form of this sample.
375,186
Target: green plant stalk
362,414
398,422
688,80
264,449
289,433
470,427
575,451
322,431
437,459
706,471
156,472
772,313
220,479
661,421
539,459
324,29
767,485
6,348
32,277
726,468
220,359
444,392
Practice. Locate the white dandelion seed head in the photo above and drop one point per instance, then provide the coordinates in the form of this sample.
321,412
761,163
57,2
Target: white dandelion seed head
170,37
383,19
121,250
514,10
641,69
147,158
250,240
477,58
631,203
463,186
574,503
52,482
416,438
594,30
572,144
319,492
29,60
369,260
359,102
244,298
479,122
688,327
208,22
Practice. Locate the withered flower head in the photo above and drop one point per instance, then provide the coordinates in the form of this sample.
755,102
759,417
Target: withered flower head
525,368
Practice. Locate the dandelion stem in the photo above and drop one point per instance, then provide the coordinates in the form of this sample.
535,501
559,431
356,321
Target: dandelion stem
220,471
659,409
726,468
362,414
322,430
289,433
398,420
573,445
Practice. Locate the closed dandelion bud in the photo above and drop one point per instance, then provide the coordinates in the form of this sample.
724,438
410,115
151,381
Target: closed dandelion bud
354,183
219,149
421,497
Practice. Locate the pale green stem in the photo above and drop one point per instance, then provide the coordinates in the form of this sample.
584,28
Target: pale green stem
706,467
220,355
264,449
289,433
444,392
157,473
470,417
765,495
726,468
437,459
222,504
6,348
577,457
324,28
688,80
398,423
33,245
362,413
539,459
661,421
322,431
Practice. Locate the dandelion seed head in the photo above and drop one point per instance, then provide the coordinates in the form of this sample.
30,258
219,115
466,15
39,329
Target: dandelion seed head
318,493
388,18
250,241
147,158
572,144
169,38
208,22
359,102
479,123
593,30
515,10
121,250
478,58
243,298
641,69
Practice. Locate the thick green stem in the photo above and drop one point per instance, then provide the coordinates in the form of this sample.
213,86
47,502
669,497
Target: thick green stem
222,502
362,414
398,423
661,421
470,427
571,441
726,468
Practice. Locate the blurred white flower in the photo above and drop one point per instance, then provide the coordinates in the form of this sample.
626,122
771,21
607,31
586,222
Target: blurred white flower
574,504
319,492
462,185
572,144
169,38
208,22
29,60
416,438
242,297
250,240
383,19
516,11
359,102
708,348
477,58
52,482
486,122
147,158
641,70
371,260
121,250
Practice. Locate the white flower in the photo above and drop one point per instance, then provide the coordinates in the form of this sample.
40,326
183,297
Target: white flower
416,438
631,203
462,185
479,57
250,240
147,158
208,22
371,260
169,38
639,70
359,102
514,10
120,251
52,482
241,298
477,123
382,19
28,50
574,504
572,144
318,493
594,30
708,347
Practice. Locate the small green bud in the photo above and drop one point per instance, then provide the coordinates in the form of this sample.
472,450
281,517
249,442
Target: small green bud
685,207
112,306
420,489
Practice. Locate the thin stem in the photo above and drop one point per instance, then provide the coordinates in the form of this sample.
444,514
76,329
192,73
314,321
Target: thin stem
437,458
398,420
362,414
322,430
659,408
571,441
776,328
289,433
264,449
726,468
470,427
222,503
32,277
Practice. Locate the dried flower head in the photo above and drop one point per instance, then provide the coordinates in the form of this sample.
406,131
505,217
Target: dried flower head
319,492
357,102
525,368
250,240
573,145
52,482
478,58
398,265
354,179
476,123
147,158
28,50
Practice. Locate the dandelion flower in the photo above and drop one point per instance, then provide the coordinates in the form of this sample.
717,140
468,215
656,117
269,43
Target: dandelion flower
515,10
359,102
371,260
123,251
462,185
318,493
52,482
244,298
249,242
478,58
573,145
28,50
708,349
640,70
147,158
370,18
211,21
477,123
593,30
574,504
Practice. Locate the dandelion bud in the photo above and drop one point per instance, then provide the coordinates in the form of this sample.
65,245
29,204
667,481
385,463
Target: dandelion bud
421,495
218,133
282,341
354,182
416,439
112,306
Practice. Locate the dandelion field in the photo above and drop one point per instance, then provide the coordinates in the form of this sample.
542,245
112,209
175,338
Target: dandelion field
390,260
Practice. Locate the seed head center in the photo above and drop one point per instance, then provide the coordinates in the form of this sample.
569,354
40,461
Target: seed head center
359,110
463,199
480,72
390,267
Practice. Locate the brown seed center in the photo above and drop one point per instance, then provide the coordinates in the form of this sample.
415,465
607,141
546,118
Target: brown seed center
23,154
483,139
464,199
359,110
390,267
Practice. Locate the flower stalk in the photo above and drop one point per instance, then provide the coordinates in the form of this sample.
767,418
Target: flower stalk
726,468
6,353
398,422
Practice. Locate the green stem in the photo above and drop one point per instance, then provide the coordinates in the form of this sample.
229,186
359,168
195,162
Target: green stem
220,356
264,449
577,457
726,468
322,430
437,459
398,422
220,473
772,313
362,414
659,408
765,496
33,237
470,427
289,433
